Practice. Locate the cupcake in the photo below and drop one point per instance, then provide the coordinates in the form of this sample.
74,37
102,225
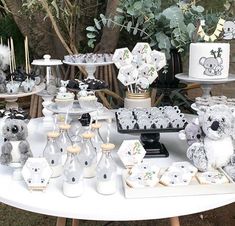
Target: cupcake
89,101
64,100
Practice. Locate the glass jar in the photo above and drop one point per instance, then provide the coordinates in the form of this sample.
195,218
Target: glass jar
87,156
64,140
73,173
53,154
106,171
97,139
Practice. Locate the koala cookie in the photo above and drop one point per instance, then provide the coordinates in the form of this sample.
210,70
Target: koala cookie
185,167
143,175
175,178
212,177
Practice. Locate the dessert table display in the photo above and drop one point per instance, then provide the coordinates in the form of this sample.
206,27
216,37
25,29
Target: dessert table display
15,193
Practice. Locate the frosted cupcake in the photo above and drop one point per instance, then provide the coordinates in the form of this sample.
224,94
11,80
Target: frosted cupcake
64,100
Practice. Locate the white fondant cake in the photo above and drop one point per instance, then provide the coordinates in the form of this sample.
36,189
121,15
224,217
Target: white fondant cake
209,60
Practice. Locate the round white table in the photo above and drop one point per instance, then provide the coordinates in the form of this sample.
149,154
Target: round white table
94,206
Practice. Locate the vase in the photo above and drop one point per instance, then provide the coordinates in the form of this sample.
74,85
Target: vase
137,100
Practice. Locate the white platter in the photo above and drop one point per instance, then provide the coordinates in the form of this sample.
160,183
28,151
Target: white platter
193,189
75,110
36,89
88,64
184,77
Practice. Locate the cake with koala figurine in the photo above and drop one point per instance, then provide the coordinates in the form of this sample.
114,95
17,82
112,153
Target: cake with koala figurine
209,60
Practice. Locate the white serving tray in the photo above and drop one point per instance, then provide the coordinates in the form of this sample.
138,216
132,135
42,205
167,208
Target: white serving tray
194,188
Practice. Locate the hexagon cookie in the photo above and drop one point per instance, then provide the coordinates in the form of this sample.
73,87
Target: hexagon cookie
148,71
122,57
131,152
158,59
141,48
128,75
36,173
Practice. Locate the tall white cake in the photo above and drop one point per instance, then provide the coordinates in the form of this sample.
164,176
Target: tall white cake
209,60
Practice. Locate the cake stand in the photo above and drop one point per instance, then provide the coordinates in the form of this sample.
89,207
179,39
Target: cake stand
46,96
89,67
11,99
206,84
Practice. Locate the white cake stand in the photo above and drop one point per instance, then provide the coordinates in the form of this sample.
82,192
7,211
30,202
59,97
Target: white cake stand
47,98
89,67
206,84
11,99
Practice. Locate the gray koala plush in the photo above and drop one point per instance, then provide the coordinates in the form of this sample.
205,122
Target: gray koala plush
4,62
216,149
16,148
192,133
2,82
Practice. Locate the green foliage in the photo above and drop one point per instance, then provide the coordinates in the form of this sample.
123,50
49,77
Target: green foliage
164,24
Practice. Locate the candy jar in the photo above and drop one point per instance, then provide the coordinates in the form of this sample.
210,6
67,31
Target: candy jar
97,139
73,173
64,140
106,171
53,154
87,156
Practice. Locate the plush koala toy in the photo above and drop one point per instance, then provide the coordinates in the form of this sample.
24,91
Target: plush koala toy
4,62
217,149
192,132
16,148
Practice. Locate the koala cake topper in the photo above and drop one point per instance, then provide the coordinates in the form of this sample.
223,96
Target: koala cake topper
213,64
229,30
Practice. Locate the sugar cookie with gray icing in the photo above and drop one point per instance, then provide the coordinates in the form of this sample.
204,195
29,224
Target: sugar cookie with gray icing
175,178
143,175
185,167
212,177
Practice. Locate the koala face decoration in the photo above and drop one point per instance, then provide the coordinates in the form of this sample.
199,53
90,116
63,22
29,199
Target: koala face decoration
229,30
15,130
217,122
12,87
72,177
213,65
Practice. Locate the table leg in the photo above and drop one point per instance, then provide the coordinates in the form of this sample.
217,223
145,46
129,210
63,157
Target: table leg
61,221
75,222
175,221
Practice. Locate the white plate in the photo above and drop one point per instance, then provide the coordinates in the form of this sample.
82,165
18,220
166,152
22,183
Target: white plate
76,110
184,77
88,64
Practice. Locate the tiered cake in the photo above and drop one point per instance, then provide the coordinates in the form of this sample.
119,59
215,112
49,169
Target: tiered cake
209,60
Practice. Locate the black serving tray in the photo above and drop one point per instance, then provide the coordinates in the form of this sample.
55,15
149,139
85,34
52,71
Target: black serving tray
150,138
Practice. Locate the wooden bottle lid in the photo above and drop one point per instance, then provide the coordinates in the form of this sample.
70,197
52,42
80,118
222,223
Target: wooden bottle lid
64,126
88,135
107,147
73,149
96,125
53,134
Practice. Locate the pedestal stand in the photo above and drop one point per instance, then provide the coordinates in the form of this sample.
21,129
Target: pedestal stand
206,84
89,67
11,99
152,145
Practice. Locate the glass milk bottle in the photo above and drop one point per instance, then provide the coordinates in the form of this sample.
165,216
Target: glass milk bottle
97,139
106,172
53,155
73,173
64,140
87,156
